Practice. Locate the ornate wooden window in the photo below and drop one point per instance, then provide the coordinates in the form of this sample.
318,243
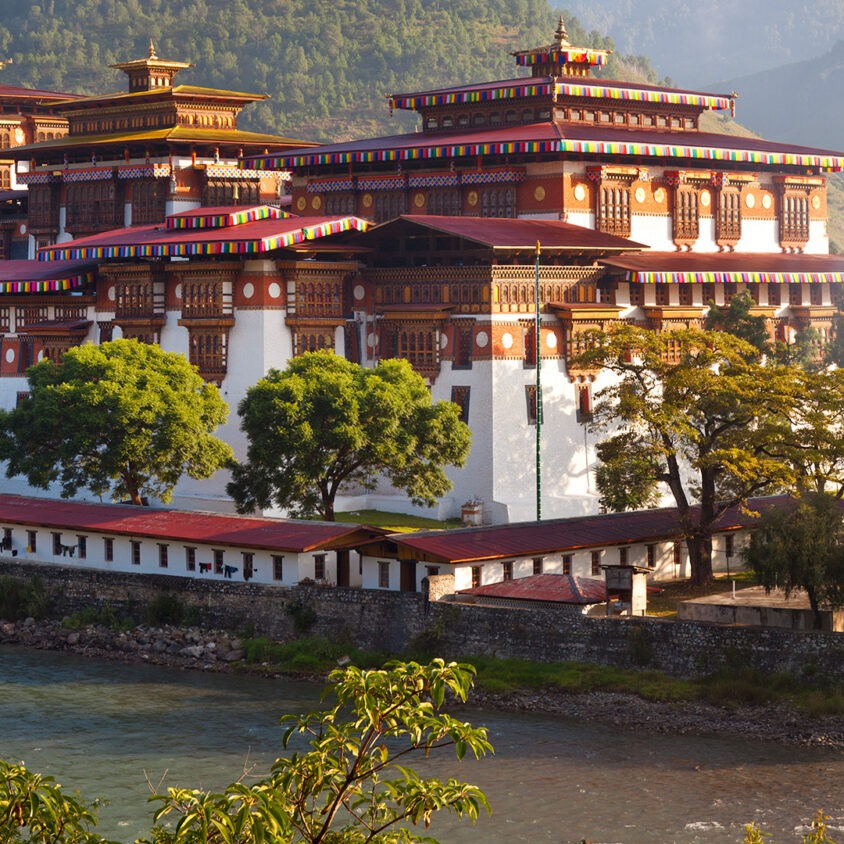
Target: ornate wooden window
443,202
686,294
728,217
312,340
340,204
686,217
209,351
149,197
673,350
463,344
815,294
43,209
795,294
794,218
497,201
612,214
134,296
529,333
774,294
318,298
389,204
93,205
662,295
231,192
30,315
637,294
5,319
534,411
419,345
202,296
584,412
460,396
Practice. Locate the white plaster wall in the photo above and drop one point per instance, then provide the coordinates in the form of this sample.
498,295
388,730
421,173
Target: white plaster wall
818,238
759,236
295,567
652,230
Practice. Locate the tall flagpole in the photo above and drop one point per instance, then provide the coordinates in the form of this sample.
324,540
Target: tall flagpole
536,334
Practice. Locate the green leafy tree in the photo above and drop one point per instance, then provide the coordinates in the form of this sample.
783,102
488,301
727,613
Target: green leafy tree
325,422
351,785
123,419
624,475
738,319
696,411
802,550
35,810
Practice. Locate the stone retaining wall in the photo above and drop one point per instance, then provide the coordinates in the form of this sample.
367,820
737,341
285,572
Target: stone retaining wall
388,621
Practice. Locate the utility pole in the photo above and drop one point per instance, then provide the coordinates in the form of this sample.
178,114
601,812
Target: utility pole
538,347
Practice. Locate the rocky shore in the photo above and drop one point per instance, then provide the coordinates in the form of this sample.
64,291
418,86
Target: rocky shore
208,650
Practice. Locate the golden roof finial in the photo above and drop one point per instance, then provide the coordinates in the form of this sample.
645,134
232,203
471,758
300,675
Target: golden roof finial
562,34
152,50
4,62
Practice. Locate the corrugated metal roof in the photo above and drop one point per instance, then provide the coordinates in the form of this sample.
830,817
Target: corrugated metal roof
10,91
518,233
559,588
527,539
180,525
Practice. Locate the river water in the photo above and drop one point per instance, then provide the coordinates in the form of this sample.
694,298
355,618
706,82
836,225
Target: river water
109,730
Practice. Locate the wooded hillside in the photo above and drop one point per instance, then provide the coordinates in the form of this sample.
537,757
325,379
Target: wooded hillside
327,64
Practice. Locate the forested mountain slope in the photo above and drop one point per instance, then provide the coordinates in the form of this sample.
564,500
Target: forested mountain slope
326,63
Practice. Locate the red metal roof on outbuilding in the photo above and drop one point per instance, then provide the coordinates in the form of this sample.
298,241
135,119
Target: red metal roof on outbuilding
525,539
202,528
561,588
720,262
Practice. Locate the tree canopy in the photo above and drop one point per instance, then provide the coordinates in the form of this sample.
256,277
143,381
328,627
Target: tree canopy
802,550
123,419
694,410
325,422
348,781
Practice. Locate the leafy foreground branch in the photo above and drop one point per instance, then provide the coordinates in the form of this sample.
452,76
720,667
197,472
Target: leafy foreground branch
350,786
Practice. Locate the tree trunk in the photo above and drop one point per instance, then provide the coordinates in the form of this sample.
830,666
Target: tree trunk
817,618
700,558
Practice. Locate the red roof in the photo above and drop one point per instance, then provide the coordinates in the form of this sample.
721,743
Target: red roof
727,262
528,80
518,233
551,137
243,239
24,270
526,539
10,92
201,528
561,588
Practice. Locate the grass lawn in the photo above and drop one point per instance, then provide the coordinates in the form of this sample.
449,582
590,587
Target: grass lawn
664,604
395,522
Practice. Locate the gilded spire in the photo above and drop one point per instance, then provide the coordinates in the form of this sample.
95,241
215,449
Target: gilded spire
152,49
562,34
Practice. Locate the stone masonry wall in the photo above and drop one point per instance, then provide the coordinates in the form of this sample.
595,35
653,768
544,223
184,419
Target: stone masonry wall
388,621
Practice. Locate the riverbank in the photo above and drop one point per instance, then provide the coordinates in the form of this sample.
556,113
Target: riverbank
203,650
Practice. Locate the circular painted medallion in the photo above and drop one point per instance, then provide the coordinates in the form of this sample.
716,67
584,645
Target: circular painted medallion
816,202
507,341
750,200
301,202
316,203
659,195
371,340
359,292
640,195
580,192
419,199
10,355
482,338
367,200
551,340
472,198
248,290
177,292
539,193
705,198
767,202
274,290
